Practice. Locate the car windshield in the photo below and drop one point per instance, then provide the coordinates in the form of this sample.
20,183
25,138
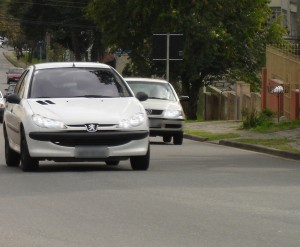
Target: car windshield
154,90
15,71
77,82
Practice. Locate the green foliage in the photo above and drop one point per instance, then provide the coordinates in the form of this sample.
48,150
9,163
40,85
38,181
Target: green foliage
217,43
65,20
275,126
253,119
57,53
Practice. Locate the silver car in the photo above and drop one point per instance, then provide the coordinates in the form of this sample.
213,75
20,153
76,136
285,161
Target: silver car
166,116
74,111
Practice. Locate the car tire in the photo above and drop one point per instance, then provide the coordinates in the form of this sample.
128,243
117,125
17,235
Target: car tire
178,139
167,138
12,158
140,163
27,162
112,162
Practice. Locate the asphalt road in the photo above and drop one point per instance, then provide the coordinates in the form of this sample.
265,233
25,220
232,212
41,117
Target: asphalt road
4,66
197,194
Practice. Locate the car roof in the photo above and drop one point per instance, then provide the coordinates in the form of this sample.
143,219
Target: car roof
146,80
13,68
54,65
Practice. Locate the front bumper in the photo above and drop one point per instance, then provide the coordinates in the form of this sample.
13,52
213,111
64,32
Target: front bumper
161,126
65,145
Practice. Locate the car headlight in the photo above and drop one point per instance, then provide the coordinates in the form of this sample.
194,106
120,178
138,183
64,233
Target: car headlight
173,114
133,121
44,122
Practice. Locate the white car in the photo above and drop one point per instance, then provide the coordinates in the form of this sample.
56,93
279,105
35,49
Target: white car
75,111
166,116
2,106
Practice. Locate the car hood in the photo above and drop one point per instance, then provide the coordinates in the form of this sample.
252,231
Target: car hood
159,104
86,110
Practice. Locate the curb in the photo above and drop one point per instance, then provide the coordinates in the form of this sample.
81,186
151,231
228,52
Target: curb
250,147
261,149
195,138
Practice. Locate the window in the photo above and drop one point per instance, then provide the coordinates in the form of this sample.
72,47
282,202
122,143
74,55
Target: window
77,82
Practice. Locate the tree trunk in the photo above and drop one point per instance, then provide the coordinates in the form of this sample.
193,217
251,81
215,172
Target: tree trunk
76,48
191,88
193,103
97,49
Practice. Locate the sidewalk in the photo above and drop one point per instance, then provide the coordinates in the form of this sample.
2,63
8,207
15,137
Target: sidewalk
232,127
10,55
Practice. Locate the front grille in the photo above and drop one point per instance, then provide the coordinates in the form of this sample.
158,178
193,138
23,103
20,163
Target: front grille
154,112
98,125
82,142
173,126
79,138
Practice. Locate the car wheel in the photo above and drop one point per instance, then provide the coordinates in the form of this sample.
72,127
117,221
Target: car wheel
177,139
12,158
27,162
167,138
112,162
140,163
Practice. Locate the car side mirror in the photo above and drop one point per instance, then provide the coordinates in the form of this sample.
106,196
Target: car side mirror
184,98
141,96
13,98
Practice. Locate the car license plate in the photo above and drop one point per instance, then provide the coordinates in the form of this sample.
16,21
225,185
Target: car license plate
154,123
91,152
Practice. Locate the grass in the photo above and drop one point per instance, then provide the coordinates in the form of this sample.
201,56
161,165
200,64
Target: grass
273,127
211,136
276,143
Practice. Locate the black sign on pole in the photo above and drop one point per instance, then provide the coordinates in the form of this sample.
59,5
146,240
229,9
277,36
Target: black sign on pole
160,47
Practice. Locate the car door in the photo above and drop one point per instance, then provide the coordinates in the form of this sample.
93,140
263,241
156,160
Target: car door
14,114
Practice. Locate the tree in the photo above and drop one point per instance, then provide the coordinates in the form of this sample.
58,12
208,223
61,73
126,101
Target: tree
65,20
9,27
217,43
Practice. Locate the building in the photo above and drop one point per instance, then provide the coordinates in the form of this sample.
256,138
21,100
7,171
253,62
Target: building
289,12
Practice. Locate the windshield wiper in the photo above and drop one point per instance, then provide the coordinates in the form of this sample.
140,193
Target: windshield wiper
92,96
157,98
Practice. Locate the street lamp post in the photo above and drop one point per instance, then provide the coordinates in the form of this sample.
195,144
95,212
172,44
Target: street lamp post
278,90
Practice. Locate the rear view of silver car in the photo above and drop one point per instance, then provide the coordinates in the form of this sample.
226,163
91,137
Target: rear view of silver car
67,112
166,116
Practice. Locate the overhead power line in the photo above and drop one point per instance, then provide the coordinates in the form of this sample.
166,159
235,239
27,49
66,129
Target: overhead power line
70,4
34,22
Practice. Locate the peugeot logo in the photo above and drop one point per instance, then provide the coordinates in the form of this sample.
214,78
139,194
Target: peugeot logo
91,127
149,111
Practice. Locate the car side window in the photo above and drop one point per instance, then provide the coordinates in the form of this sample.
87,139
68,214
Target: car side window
19,89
